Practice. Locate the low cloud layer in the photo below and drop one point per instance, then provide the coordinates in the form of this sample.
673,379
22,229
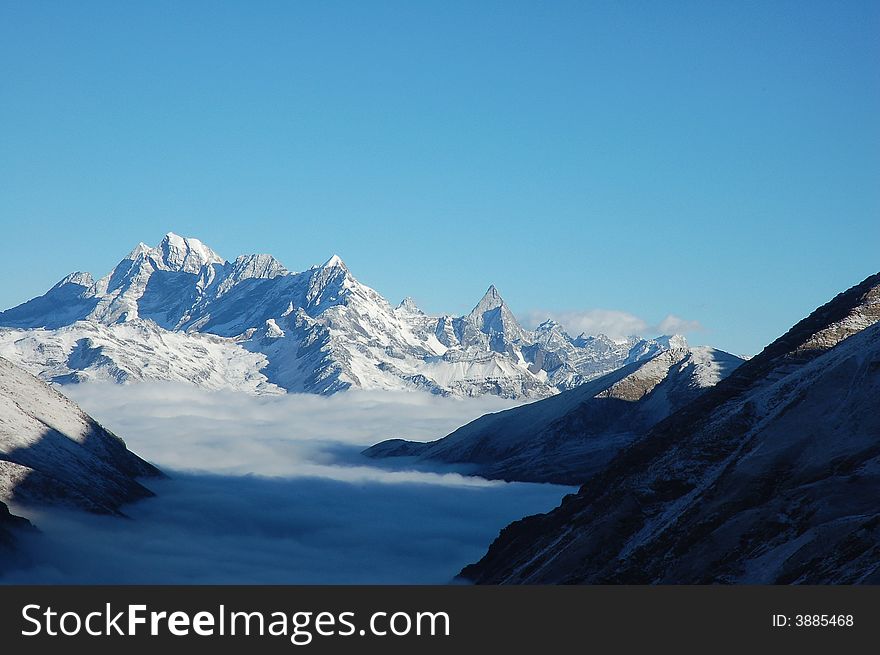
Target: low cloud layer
273,490
181,427
613,323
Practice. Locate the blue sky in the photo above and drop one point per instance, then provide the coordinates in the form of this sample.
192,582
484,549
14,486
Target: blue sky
716,161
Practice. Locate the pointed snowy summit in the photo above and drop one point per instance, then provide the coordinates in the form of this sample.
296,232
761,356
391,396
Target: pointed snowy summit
177,253
328,284
409,306
334,262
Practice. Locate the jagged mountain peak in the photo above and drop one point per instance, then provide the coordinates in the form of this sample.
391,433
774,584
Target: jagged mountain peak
334,262
491,300
493,317
552,335
409,306
257,266
332,272
186,254
246,267
330,283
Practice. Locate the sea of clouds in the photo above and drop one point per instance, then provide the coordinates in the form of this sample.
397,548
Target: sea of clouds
274,490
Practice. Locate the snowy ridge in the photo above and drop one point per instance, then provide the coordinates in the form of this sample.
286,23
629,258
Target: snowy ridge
179,311
770,476
566,438
134,351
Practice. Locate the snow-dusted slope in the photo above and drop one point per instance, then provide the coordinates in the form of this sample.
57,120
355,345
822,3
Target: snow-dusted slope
179,311
564,439
51,451
132,351
772,476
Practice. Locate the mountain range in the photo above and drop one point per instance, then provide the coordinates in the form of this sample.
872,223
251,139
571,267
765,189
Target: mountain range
695,466
179,311
770,476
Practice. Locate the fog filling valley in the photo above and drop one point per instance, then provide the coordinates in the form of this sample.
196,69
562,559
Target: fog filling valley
273,489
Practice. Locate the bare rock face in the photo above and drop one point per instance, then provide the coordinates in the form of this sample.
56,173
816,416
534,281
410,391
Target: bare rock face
771,476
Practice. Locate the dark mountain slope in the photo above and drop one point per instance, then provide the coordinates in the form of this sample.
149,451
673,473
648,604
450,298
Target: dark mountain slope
771,476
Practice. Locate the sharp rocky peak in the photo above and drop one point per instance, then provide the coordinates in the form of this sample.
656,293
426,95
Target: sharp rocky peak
329,282
492,316
490,300
335,262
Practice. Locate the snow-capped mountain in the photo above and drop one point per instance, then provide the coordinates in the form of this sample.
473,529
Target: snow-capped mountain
771,476
566,438
179,311
52,452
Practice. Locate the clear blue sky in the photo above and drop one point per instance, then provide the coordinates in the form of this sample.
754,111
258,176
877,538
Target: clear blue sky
719,161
